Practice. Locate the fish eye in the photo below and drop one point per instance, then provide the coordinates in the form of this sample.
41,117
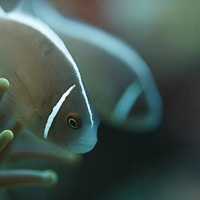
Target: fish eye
74,120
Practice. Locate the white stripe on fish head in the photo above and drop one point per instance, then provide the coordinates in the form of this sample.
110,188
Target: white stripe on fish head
55,110
44,29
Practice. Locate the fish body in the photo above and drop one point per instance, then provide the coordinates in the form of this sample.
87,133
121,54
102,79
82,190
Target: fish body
118,80
46,92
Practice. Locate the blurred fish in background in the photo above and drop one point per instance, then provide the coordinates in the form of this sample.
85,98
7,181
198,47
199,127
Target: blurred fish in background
163,164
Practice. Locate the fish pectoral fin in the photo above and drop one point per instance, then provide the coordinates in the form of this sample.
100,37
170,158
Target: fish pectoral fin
24,115
18,89
19,98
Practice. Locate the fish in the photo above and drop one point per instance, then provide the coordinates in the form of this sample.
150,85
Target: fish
47,94
119,81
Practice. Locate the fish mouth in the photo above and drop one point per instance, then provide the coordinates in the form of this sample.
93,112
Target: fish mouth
82,146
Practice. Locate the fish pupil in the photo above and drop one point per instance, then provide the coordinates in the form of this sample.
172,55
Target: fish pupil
73,123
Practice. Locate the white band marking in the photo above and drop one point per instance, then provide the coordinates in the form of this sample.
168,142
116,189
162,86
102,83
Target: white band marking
55,110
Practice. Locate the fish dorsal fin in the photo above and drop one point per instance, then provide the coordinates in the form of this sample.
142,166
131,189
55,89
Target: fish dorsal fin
24,7
2,12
